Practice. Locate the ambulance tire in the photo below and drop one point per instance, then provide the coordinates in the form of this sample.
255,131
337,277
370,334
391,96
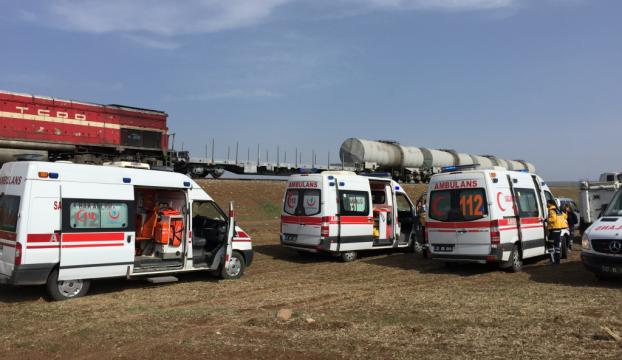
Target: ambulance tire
236,268
515,262
65,290
348,256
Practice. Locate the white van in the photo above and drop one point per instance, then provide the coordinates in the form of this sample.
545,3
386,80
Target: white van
62,224
487,216
341,213
602,242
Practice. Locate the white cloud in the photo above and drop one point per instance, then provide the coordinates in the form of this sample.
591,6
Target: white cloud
170,17
456,5
152,42
162,17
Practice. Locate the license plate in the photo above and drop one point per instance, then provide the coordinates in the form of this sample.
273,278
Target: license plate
611,269
443,248
290,237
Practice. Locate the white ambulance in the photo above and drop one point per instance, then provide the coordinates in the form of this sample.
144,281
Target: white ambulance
341,213
62,224
488,216
602,242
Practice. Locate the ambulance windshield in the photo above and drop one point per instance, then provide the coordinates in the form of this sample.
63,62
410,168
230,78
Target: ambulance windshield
9,208
615,207
458,205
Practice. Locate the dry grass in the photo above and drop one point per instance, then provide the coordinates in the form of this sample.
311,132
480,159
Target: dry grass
390,305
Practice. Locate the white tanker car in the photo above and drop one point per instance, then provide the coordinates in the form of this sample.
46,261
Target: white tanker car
409,163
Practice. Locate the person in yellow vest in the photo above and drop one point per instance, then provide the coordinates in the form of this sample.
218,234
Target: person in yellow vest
556,221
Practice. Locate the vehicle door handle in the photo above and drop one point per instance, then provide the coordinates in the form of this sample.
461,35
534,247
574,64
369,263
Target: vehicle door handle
461,231
129,239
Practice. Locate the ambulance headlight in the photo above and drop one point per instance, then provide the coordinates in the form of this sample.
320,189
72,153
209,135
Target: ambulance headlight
585,242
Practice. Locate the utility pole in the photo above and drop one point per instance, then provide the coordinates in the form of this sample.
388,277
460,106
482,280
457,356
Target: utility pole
278,156
237,145
248,155
296,158
206,152
328,163
257,155
228,152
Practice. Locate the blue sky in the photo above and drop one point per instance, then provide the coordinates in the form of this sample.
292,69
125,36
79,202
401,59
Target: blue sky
538,80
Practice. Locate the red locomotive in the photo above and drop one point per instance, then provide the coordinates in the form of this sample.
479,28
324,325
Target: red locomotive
55,129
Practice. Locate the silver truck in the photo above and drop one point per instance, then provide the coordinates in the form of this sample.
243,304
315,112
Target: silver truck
596,195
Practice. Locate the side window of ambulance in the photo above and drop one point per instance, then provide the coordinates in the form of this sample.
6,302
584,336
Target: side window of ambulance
354,203
9,209
548,196
311,202
92,215
527,203
403,205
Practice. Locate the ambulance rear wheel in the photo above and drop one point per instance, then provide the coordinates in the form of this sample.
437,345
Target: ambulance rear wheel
235,269
515,262
348,256
66,289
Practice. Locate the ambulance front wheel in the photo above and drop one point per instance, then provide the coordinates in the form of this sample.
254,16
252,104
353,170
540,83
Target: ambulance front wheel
348,256
67,289
235,269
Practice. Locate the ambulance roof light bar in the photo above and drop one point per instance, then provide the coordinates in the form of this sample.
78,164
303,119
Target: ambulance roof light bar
459,167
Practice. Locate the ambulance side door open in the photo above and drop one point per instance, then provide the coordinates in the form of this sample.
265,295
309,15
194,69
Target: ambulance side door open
529,219
97,236
405,217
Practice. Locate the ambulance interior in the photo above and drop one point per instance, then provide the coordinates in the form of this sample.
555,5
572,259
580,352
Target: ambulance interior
160,228
382,202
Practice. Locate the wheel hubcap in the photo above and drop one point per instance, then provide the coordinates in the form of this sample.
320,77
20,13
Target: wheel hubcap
70,288
234,266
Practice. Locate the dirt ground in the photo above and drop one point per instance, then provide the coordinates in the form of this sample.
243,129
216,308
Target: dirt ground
389,305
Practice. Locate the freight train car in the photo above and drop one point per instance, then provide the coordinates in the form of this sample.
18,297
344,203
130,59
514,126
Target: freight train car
414,164
45,128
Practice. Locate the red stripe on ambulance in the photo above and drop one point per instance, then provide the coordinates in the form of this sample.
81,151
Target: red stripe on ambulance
76,237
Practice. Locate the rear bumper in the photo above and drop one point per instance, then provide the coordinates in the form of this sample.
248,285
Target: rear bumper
496,255
602,263
28,274
322,246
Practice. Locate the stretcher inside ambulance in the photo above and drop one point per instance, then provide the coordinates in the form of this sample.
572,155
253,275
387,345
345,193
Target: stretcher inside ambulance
342,213
64,224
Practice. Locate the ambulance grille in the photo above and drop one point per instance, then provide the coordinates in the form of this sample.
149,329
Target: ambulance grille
605,246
